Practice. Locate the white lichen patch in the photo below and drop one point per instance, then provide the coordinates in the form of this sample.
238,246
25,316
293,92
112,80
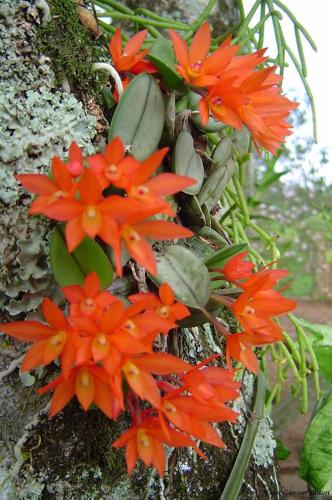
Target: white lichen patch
265,444
36,123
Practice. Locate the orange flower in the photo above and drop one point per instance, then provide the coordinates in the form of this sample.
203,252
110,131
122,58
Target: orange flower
192,417
255,102
149,190
131,58
258,304
58,339
88,300
145,441
49,190
236,268
93,214
265,114
211,385
163,307
195,66
90,385
109,166
239,347
138,373
133,232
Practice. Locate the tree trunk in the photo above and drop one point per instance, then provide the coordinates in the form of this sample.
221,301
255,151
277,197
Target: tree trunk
70,456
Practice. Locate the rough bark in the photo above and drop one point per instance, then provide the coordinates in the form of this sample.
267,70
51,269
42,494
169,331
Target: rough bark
70,456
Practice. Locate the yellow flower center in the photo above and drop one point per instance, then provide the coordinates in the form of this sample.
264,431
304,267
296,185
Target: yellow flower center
88,306
102,339
163,311
84,378
91,212
130,369
59,338
112,172
59,195
143,439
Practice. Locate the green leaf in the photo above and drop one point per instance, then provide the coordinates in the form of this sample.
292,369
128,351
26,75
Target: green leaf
139,117
162,56
187,162
324,359
316,455
281,451
223,151
219,258
321,335
186,274
217,179
71,268
108,97
212,124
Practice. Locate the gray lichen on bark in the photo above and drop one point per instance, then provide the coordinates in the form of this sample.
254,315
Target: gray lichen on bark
70,456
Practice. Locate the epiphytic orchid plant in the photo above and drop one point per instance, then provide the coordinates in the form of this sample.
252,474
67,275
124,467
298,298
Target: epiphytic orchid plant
121,204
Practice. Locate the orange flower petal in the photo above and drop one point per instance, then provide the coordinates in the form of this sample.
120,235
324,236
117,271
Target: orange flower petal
162,230
167,184
74,233
85,388
149,166
200,44
89,188
131,455
53,315
27,331
166,294
34,356
142,383
135,42
162,363
115,46
61,174
62,395
180,48
37,183
65,209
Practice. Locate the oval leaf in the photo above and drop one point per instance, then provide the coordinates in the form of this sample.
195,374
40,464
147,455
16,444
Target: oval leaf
139,117
162,56
188,162
186,274
219,258
71,268
215,184
223,151
316,456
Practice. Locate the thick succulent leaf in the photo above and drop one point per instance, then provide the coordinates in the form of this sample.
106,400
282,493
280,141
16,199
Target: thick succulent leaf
187,161
139,117
222,171
162,56
223,151
71,268
186,274
219,258
316,456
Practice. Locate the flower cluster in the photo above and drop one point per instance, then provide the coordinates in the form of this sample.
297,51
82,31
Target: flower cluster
255,307
235,92
75,194
103,343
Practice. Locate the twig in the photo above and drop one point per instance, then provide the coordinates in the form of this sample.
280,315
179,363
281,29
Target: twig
12,367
